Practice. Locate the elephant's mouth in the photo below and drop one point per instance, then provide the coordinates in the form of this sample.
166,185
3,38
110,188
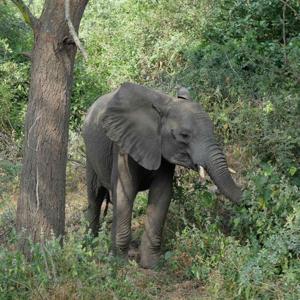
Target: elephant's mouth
183,159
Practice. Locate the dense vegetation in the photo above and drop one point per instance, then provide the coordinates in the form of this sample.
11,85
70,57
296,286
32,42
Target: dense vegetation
241,60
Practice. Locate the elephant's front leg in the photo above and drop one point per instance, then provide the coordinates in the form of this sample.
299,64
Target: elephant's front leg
123,194
159,199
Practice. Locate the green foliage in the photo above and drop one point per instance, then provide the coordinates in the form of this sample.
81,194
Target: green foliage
269,202
129,41
245,71
82,271
13,95
248,251
15,37
13,29
233,55
241,60
9,173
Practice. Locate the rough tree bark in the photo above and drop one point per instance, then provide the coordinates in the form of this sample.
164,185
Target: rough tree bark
41,205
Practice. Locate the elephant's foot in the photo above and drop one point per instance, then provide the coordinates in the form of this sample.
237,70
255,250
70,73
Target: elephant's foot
149,260
131,254
120,252
121,242
150,252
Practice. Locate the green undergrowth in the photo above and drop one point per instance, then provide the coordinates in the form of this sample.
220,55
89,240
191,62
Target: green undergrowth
245,251
82,269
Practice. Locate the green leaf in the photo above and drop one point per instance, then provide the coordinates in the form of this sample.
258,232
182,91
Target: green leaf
293,170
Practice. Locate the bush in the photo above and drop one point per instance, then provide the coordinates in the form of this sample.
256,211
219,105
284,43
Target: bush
248,251
269,202
13,96
15,37
78,269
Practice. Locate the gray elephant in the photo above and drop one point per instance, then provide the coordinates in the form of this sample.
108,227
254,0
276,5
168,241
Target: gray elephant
134,137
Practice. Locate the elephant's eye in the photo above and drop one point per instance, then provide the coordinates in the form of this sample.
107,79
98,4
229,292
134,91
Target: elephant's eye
181,136
184,135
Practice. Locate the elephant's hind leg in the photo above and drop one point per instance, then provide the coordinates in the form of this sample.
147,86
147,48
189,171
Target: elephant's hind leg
96,195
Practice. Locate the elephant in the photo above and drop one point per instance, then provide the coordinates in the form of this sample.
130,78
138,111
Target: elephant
134,137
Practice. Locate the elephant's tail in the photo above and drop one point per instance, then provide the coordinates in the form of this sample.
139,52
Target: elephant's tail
106,201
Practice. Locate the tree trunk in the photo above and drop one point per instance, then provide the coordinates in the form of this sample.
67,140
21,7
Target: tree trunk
41,205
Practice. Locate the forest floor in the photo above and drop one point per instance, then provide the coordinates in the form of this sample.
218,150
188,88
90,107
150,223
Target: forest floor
157,284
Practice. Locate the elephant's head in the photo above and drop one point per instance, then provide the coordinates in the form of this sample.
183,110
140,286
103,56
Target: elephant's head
149,125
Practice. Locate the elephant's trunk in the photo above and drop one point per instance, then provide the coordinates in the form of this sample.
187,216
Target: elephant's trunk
217,168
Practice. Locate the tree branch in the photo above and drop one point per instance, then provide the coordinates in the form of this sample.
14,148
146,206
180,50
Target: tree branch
73,32
28,17
27,54
297,16
284,32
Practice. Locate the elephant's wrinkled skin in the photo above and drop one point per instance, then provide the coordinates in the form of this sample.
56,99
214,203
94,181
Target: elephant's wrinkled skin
134,137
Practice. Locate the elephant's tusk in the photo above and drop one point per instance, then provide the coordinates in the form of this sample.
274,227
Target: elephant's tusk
202,173
231,171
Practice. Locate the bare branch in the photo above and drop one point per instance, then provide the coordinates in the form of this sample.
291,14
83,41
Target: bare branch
72,30
28,17
297,16
284,32
27,54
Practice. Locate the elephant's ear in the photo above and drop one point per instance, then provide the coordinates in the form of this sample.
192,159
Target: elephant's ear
183,93
133,122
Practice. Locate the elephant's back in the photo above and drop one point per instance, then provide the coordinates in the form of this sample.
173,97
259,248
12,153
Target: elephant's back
97,110
99,147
